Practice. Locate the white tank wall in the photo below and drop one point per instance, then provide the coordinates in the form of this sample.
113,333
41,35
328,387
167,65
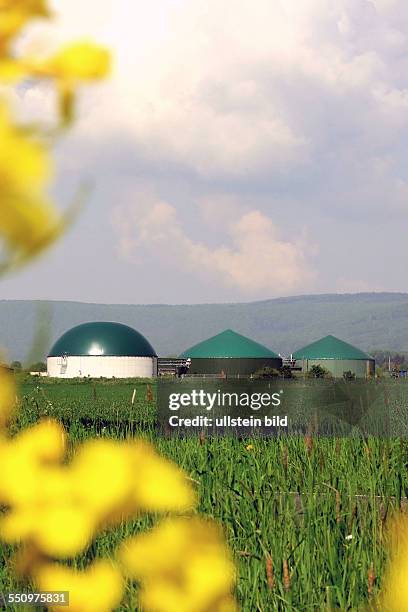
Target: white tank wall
96,366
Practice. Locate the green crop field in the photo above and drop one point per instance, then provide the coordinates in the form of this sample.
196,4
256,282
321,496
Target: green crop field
318,506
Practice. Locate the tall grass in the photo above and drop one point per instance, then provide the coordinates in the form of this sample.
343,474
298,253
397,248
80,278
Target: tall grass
312,516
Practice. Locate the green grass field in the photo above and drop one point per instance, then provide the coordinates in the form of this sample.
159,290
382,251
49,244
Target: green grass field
284,498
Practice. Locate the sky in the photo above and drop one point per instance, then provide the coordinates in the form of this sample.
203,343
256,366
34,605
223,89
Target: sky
239,151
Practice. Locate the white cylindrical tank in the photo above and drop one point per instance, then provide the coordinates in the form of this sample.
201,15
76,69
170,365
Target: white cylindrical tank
107,349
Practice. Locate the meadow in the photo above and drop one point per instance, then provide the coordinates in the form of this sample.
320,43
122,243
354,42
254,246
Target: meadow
305,518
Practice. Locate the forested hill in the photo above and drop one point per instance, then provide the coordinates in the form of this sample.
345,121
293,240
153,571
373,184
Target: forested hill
369,320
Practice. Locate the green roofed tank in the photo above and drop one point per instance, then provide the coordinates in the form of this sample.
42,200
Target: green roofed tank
102,348
336,356
230,353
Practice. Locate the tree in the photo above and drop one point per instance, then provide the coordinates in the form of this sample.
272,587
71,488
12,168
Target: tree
16,366
40,366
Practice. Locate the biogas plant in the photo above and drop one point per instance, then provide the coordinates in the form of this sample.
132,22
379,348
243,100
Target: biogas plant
115,350
106,349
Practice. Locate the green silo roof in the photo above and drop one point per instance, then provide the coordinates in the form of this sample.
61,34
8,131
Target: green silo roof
330,347
102,338
228,344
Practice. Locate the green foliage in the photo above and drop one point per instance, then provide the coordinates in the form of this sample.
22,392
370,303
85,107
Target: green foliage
286,372
316,371
39,366
16,366
349,375
266,373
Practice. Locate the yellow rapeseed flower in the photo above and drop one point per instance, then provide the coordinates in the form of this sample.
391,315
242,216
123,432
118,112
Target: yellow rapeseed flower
182,565
60,529
115,479
38,489
103,475
70,67
22,461
77,62
14,15
395,591
11,70
7,396
43,442
160,486
28,221
394,594
97,589
59,508
74,64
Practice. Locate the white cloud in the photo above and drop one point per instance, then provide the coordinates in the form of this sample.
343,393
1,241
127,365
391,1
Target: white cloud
232,93
228,91
255,260
290,115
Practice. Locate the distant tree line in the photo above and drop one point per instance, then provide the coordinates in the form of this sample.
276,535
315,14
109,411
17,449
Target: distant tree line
396,360
38,366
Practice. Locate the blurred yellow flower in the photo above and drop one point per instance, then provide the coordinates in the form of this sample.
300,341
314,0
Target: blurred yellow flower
70,67
161,486
103,475
37,489
394,594
7,396
22,461
11,70
395,591
97,589
44,442
60,529
77,63
59,508
14,14
28,221
249,447
114,478
182,565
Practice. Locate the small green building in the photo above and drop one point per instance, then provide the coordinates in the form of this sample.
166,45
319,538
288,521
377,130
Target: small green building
336,356
230,353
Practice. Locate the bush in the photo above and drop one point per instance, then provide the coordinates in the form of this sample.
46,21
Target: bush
349,375
317,371
286,372
266,372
